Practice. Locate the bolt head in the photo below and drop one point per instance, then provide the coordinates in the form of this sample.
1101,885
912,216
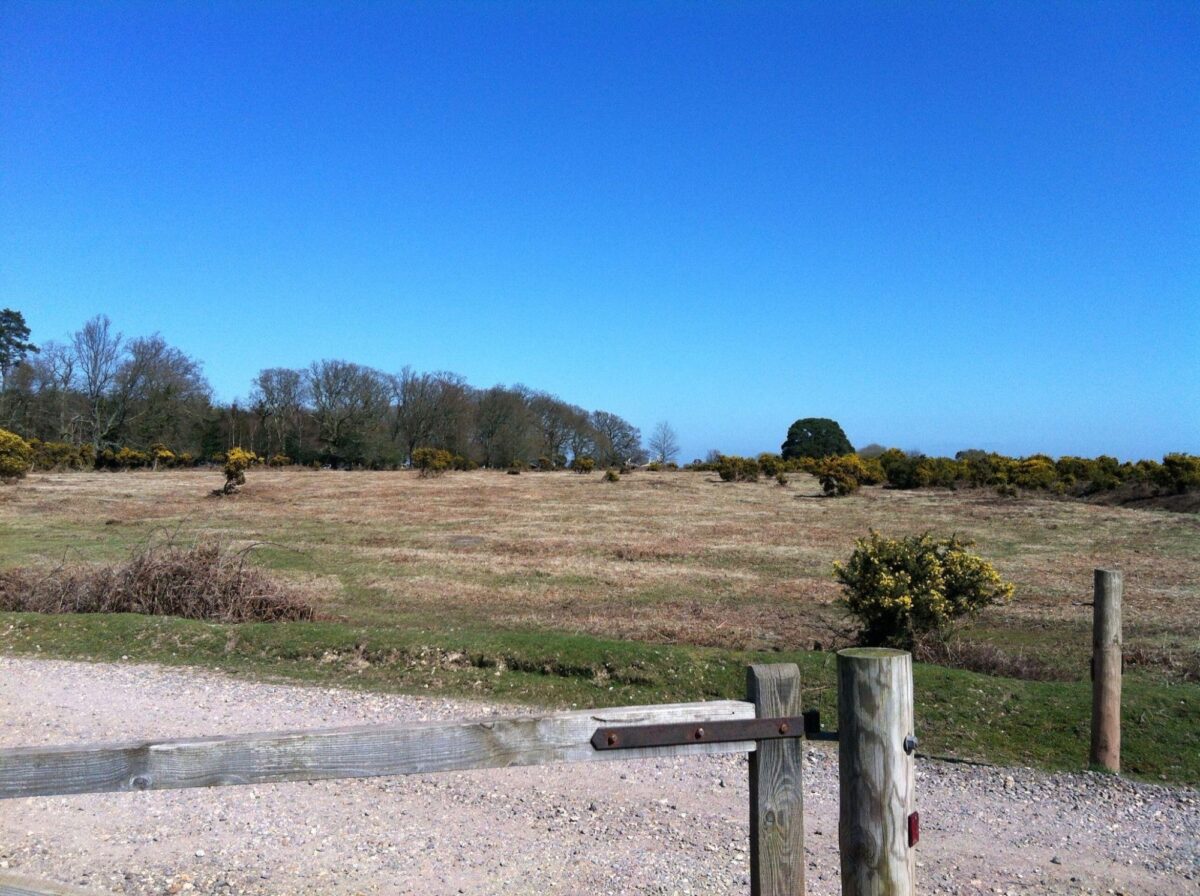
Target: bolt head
699,733
612,739
783,727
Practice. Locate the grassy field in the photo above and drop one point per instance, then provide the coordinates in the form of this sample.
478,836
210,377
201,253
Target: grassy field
562,589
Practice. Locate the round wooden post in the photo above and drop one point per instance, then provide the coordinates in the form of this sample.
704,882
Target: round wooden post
875,722
1106,670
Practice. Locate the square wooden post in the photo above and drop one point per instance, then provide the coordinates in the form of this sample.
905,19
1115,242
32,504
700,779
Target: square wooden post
776,794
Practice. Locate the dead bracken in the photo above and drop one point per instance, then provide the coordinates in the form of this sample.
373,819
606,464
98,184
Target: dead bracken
205,580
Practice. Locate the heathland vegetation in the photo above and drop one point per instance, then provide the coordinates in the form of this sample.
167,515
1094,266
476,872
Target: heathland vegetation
559,588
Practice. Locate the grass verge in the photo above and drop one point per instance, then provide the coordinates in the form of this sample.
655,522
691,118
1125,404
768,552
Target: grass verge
960,714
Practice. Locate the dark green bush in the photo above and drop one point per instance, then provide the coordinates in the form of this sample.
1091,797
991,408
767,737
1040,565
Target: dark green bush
1180,472
900,468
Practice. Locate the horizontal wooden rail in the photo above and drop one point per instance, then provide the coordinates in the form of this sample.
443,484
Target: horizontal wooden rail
361,752
19,885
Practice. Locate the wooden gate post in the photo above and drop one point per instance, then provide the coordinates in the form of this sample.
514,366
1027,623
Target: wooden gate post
776,797
875,752
1106,670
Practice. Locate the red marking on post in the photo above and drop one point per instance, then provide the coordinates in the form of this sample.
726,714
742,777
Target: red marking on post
914,828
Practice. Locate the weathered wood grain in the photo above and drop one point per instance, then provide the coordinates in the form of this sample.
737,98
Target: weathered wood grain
1106,669
875,715
776,787
402,749
20,885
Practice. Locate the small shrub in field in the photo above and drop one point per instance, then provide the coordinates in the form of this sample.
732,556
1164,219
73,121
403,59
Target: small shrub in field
237,462
612,476
161,456
900,589
583,465
279,460
781,477
654,466
732,468
432,461
464,463
841,475
16,455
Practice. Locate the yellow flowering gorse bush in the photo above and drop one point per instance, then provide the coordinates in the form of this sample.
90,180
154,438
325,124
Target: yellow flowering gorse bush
901,588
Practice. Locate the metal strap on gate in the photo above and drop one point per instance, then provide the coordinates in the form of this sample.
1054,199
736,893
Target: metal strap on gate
673,734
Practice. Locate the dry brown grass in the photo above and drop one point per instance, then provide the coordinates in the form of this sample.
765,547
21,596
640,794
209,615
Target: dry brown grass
657,556
200,581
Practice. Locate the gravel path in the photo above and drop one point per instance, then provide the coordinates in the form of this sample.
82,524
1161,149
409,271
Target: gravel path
669,826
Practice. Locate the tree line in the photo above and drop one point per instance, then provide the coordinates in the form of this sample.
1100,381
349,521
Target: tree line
104,399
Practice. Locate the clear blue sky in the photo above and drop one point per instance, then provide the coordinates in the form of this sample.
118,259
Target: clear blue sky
945,225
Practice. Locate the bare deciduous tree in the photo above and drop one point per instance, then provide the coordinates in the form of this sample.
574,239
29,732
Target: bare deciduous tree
98,353
348,401
664,443
618,441
279,396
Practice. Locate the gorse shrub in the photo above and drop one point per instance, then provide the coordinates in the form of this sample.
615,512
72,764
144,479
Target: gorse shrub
1180,472
770,464
841,475
900,468
899,589
583,465
161,455
61,455
432,461
16,455
131,459
237,462
732,468
612,476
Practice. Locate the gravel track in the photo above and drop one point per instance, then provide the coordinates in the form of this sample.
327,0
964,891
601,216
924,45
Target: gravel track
650,826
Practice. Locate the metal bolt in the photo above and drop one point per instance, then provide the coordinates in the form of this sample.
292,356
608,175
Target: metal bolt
699,733
612,739
141,782
783,727
910,744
